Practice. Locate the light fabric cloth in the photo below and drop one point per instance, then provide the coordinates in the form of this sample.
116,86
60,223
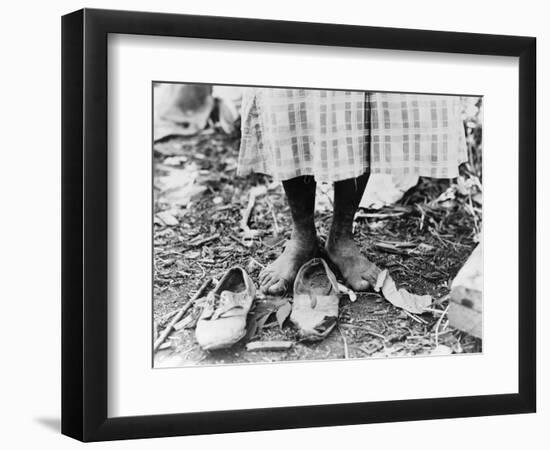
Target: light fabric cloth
336,135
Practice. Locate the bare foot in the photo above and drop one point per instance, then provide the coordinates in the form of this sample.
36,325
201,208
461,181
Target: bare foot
278,277
357,270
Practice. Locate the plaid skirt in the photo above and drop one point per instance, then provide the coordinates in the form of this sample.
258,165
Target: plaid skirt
336,135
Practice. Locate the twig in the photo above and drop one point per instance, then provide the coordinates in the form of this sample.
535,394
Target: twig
391,249
378,335
362,215
179,315
422,217
272,210
366,330
224,207
238,241
439,324
252,196
415,318
203,241
434,234
207,261
257,263
444,331
203,271
433,310
346,351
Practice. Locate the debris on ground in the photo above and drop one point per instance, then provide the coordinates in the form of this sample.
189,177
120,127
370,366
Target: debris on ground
176,318
249,234
422,242
401,297
272,346
384,190
188,109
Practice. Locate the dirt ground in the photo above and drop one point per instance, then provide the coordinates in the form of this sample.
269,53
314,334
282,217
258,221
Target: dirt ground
423,240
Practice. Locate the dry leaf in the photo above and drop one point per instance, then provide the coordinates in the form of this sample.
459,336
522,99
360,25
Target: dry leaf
168,219
401,297
261,313
283,312
441,350
175,160
179,186
260,323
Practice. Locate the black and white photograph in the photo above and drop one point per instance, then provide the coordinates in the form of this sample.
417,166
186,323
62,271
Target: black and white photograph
296,224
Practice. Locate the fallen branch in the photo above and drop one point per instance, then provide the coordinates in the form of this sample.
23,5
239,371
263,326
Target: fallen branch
179,315
262,346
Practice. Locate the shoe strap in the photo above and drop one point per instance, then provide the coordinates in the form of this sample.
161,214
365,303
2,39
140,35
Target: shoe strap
229,304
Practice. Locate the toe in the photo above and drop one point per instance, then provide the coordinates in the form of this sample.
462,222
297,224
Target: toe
266,281
264,274
277,288
360,284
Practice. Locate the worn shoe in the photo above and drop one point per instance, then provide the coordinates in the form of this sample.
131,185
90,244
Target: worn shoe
315,305
222,322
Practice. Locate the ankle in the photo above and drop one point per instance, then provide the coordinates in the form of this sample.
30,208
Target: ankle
339,239
304,228
305,237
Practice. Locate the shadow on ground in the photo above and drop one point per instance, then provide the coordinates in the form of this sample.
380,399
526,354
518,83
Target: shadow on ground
52,423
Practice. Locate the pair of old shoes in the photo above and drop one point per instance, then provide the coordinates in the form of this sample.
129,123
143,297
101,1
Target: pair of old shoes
314,312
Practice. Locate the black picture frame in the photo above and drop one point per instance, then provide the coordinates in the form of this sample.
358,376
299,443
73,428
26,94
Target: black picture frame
84,224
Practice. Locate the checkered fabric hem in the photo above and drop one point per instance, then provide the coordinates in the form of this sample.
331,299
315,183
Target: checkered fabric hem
336,135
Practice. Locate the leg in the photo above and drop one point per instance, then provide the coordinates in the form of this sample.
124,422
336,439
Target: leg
341,248
302,246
